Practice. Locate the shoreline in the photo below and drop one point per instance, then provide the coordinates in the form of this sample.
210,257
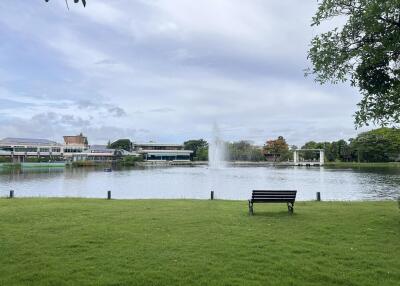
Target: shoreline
201,163
362,165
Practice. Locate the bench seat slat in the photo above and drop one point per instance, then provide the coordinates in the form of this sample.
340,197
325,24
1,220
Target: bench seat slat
274,195
274,192
266,198
272,198
273,201
295,191
276,199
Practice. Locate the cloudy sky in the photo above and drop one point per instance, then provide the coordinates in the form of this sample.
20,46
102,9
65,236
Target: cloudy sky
165,70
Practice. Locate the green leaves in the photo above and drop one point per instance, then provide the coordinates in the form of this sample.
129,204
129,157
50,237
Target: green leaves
124,144
199,148
277,148
365,51
379,145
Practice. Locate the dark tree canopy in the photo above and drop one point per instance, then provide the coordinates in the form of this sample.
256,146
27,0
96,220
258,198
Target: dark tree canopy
199,148
124,144
244,151
365,50
277,149
379,145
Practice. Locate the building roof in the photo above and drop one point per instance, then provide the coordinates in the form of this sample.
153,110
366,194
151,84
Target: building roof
27,141
165,151
156,144
99,147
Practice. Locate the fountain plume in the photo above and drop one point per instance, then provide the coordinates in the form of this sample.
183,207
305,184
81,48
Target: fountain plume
216,150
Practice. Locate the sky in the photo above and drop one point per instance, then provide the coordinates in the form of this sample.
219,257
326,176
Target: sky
166,71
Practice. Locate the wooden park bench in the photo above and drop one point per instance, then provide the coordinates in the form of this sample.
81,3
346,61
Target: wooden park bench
272,196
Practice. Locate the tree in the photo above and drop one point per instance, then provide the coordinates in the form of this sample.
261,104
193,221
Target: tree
199,148
311,155
379,145
365,50
343,152
277,149
124,144
244,151
131,160
202,154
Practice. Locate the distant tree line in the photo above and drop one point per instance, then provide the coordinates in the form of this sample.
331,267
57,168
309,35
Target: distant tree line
379,145
244,151
235,151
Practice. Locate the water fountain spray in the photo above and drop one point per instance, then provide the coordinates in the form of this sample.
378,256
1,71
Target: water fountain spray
216,150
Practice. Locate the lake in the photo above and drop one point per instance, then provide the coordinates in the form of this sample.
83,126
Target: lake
234,183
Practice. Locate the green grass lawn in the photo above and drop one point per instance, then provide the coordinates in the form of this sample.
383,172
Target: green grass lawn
186,242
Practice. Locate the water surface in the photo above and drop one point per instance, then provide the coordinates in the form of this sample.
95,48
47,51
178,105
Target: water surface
233,183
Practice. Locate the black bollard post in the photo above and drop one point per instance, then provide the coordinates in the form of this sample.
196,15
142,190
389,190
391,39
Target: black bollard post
108,195
11,194
318,196
212,195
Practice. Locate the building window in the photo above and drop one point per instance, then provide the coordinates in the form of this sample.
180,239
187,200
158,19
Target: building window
25,149
183,157
72,150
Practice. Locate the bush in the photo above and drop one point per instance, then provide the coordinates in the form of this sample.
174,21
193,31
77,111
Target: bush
5,159
131,160
83,164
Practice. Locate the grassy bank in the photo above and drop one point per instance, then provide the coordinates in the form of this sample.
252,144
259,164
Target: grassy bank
362,165
99,242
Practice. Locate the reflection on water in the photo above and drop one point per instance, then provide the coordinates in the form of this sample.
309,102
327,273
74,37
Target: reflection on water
196,182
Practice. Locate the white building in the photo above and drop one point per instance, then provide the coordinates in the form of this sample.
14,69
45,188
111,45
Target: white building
76,148
97,153
19,148
162,152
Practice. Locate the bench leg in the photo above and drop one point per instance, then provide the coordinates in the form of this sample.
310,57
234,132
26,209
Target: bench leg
251,212
290,207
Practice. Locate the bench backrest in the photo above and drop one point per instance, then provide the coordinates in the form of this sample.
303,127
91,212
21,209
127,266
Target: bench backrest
274,195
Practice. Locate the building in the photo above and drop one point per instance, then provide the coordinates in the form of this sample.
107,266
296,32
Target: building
97,153
77,140
76,148
162,152
18,149
23,149
74,144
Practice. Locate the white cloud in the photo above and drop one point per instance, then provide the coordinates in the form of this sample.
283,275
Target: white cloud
170,68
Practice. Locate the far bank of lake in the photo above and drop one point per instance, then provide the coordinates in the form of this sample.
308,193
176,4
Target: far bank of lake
353,165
